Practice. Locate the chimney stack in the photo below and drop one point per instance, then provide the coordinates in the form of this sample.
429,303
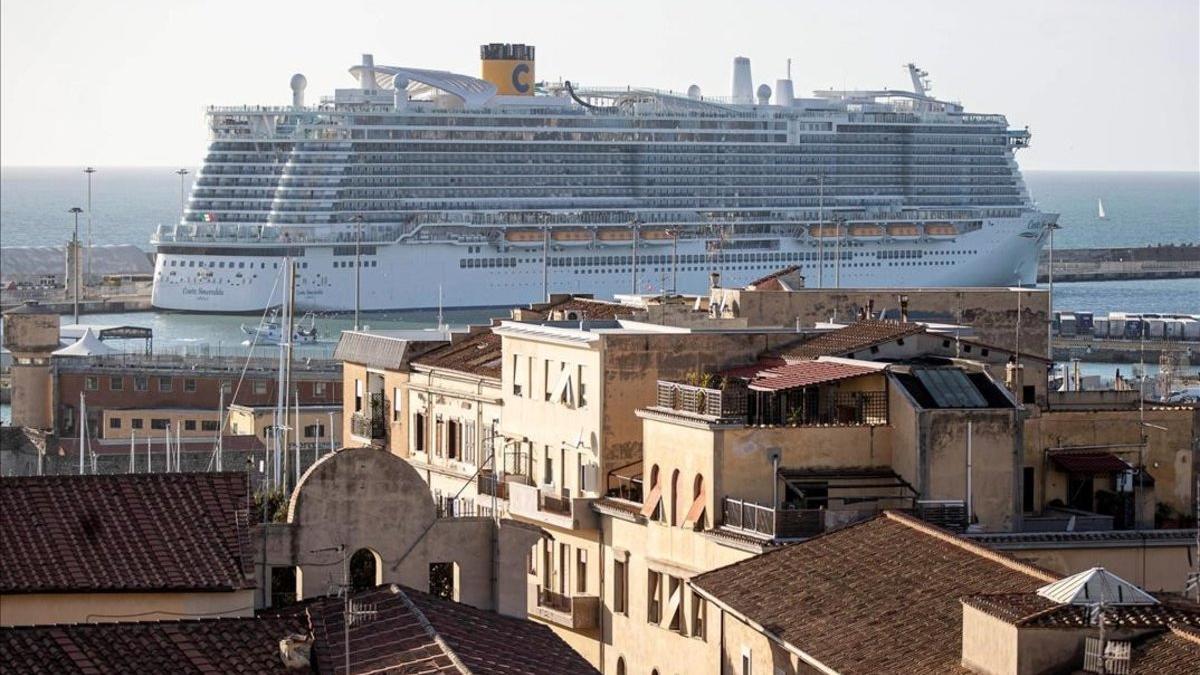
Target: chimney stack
903,308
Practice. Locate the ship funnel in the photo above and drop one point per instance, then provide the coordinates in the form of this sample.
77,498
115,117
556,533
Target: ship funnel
743,86
784,94
509,67
367,78
299,82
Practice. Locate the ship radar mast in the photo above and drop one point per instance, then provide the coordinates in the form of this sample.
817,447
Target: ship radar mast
920,79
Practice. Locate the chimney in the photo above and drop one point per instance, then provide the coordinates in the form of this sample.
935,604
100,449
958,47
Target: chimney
743,85
367,77
903,308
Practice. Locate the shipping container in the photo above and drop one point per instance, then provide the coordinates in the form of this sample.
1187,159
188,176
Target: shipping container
1155,329
1066,326
1191,329
1083,323
1100,327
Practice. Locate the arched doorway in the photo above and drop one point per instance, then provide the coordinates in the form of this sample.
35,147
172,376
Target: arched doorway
366,569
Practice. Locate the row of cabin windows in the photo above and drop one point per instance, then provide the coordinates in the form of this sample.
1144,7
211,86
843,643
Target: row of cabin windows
220,264
163,423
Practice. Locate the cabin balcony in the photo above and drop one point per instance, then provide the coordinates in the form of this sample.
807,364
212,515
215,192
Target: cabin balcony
548,506
576,612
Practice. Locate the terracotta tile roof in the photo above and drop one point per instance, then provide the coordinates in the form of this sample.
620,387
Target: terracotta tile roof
806,373
126,532
478,354
120,446
249,645
416,632
1175,652
1090,463
750,371
1032,610
585,308
880,596
771,281
852,338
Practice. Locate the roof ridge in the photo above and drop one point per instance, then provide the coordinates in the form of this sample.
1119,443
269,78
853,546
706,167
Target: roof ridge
432,632
970,546
1189,633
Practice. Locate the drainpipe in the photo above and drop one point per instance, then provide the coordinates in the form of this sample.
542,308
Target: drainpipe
969,466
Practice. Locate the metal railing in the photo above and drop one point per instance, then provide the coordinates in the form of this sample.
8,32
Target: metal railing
854,408
775,523
368,426
628,488
556,601
461,507
554,504
489,484
728,402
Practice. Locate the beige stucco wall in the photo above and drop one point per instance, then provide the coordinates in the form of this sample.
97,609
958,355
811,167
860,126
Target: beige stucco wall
256,420
1041,651
989,645
995,457
1171,453
742,640
1154,568
475,404
49,608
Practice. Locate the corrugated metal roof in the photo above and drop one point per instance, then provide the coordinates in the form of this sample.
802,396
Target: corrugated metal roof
379,350
806,373
950,388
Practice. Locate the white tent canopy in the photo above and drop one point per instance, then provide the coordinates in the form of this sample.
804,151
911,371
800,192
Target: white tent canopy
88,345
1095,586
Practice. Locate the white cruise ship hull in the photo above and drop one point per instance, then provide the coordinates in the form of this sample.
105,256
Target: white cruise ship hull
404,276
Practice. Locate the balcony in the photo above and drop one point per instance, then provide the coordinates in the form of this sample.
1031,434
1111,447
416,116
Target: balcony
488,484
762,520
371,427
569,611
544,505
726,403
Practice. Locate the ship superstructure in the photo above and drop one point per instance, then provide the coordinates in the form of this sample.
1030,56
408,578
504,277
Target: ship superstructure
496,190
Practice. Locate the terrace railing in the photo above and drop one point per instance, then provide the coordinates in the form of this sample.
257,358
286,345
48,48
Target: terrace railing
725,403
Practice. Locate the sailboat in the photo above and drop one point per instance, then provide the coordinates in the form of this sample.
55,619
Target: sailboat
1100,209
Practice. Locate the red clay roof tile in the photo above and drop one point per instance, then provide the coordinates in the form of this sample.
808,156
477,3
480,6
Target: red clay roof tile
855,337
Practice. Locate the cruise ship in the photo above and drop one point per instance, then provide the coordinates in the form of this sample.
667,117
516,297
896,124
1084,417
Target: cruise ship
417,188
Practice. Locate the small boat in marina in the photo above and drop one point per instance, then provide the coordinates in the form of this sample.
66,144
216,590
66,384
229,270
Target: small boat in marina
271,333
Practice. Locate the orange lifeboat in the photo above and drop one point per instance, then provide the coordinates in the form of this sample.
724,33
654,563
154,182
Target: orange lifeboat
866,231
571,236
524,238
941,230
656,236
827,231
903,231
614,236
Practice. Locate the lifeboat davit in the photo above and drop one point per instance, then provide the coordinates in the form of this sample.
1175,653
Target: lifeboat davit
826,231
656,236
941,230
867,231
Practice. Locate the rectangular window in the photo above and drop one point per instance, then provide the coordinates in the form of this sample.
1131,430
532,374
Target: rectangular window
564,563
311,431
116,383
159,423
1028,394
517,389
135,423
209,425
620,587
653,597
141,383
260,387
1027,476
546,383
358,395
91,383
439,437
114,423
227,388
189,385
548,469
164,384
582,399
419,432
581,570
747,661
699,617
675,604
189,425
453,439
318,389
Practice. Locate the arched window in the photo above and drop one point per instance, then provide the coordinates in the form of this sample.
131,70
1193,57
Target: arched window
696,512
366,569
675,496
653,498
620,665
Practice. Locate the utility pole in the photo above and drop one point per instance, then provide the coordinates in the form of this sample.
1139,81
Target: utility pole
182,191
89,171
74,258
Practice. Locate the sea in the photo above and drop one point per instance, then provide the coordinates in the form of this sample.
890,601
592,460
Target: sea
128,203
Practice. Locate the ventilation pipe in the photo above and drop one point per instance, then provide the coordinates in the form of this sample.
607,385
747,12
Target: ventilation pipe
743,85
784,94
299,82
367,77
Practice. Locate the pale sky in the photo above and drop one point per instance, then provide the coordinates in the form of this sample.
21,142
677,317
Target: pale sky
1102,84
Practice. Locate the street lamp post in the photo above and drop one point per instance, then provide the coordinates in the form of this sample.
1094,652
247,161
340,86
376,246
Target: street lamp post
75,211
358,220
89,171
182,191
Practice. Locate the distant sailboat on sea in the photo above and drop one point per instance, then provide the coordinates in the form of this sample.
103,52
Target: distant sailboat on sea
1100,209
